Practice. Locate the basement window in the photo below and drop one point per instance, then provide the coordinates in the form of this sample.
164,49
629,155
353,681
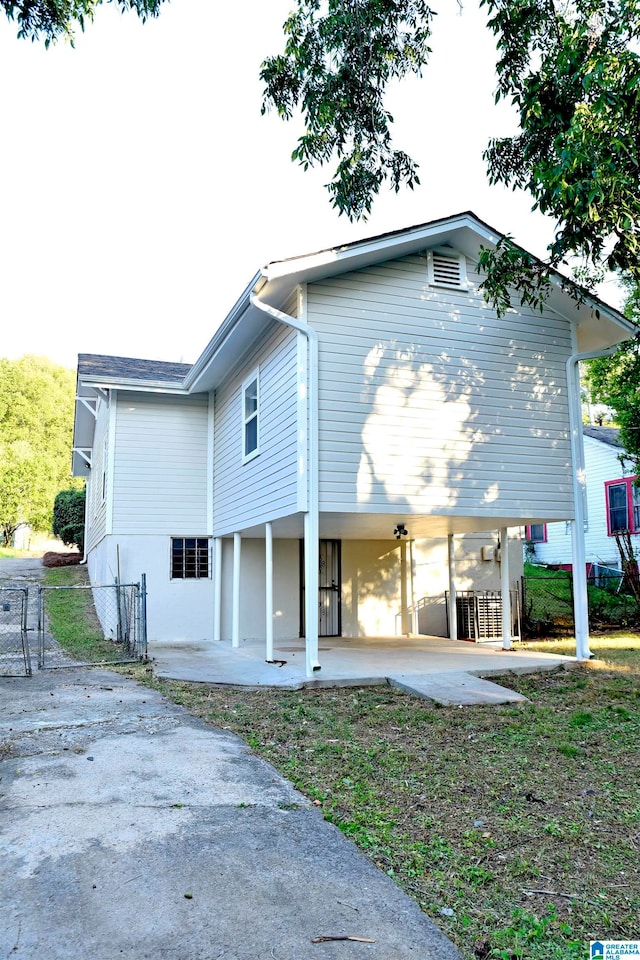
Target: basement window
189,558
446,268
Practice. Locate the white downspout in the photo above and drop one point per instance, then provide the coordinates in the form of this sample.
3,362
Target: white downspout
312,526
579,563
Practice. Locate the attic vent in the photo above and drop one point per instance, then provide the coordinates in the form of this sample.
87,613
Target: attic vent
446,269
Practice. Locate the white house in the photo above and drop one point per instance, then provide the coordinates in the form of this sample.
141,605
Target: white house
359,436
613,504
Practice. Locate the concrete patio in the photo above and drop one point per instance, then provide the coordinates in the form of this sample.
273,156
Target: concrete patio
446,671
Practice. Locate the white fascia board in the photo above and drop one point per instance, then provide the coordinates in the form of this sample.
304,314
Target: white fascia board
142,386
200,376
363,253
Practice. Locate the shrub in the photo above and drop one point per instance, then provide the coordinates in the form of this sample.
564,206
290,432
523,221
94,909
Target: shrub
68,517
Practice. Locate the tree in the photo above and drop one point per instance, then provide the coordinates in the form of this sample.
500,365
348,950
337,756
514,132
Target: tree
49,20
36,424
68,517
615,381
572,73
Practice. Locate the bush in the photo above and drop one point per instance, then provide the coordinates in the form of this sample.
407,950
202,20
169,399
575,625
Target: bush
68,518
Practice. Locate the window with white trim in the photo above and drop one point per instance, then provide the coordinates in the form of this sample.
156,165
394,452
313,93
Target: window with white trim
105,457
189,558
251,417
446,268
623,505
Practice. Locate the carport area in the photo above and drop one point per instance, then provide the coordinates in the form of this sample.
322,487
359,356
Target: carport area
446,671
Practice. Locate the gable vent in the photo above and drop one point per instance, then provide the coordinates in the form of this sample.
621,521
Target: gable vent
446,269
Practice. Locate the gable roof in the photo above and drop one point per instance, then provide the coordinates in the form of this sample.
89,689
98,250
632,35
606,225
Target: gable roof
608,435
597,324
98,367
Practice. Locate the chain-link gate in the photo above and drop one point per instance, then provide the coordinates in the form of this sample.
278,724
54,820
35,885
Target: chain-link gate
15,659
113,618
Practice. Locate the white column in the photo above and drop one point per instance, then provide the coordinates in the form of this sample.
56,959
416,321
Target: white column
580,595
403,588
217,589
268,606
235,622
311,592
504,588
453,614
413,623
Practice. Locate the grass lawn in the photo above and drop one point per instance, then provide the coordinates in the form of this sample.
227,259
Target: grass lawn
516,828
72,616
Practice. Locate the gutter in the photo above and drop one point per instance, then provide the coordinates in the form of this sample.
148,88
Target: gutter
312,525
580,597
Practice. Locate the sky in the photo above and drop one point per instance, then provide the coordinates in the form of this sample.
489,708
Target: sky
141,189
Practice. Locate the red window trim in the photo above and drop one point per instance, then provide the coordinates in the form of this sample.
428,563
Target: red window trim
527,532
628,482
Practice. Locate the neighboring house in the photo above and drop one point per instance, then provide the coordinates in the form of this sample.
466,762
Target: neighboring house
361,434
613,504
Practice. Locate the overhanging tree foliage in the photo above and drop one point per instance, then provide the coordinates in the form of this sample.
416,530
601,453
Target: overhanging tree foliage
615,381
36,426
571,70
49,20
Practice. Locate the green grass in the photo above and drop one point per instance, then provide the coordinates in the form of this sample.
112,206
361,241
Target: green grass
619,649
521,822
516,828
72,617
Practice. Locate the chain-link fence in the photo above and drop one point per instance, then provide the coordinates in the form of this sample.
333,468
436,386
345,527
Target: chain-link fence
112,621
547,603
15,659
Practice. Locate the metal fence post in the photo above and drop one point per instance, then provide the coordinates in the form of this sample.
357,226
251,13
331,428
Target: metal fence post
143,614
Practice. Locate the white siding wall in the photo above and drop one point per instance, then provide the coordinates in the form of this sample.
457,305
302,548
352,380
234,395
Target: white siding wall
601,463
177,610
430,403
371,589
96,511
267,486
286,589
160,483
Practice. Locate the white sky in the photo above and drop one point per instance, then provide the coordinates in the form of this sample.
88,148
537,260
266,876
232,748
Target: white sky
141,189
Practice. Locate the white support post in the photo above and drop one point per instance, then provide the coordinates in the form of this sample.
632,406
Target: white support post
311,591
268,562
504,588
413,622
217,589
403,589
453,613
235,625
580,595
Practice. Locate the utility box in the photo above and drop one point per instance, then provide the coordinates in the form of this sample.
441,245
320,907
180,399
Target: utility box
479,615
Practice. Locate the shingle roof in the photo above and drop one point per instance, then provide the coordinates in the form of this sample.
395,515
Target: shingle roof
608,435
127,368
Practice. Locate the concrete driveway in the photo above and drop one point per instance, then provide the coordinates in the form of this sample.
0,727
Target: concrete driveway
131,830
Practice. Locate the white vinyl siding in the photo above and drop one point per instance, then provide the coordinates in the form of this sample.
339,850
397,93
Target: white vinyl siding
430,404
160,483
265,487
96,503
601,463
